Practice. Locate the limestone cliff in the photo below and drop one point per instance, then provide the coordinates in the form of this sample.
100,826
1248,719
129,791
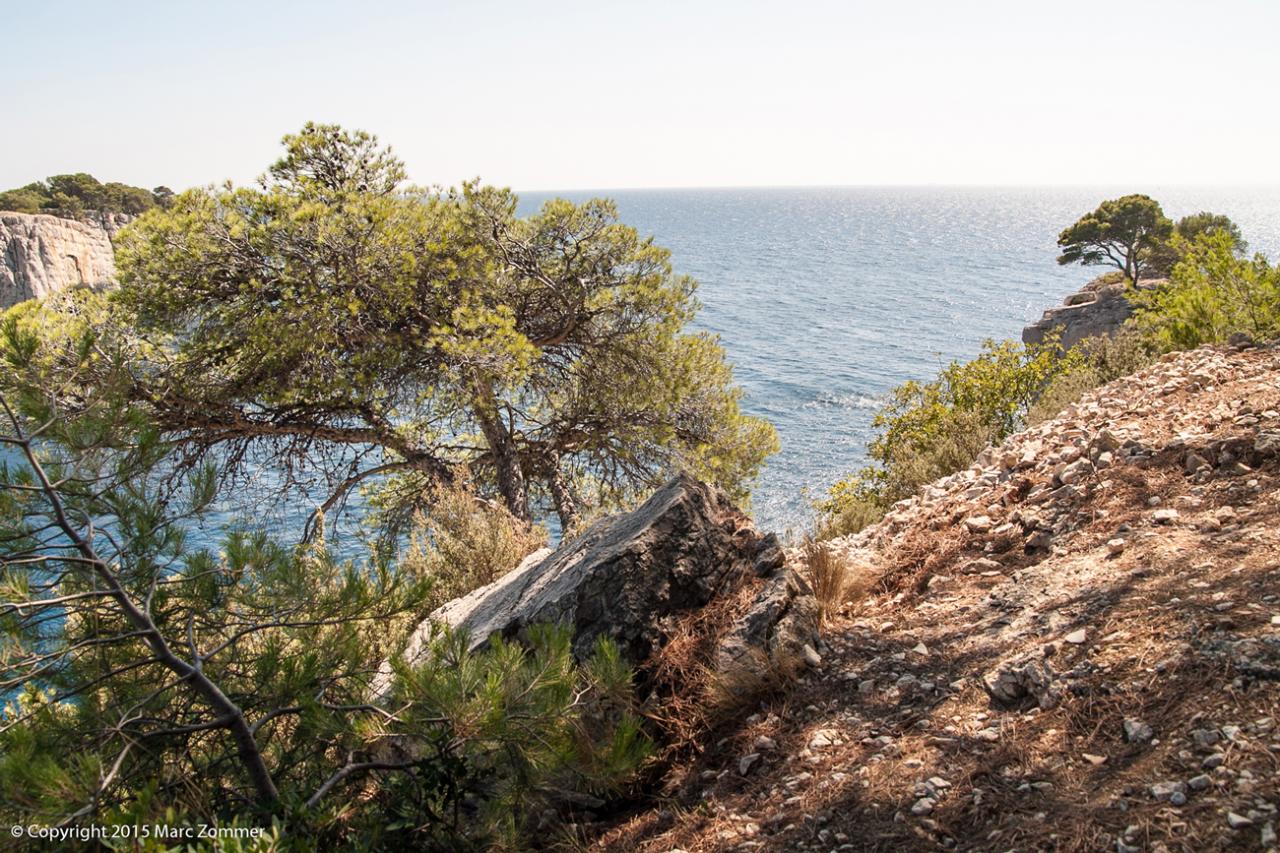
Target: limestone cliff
42,255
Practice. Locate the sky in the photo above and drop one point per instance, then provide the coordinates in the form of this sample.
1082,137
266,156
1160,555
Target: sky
604,94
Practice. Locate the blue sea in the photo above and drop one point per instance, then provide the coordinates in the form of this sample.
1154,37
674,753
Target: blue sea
825,298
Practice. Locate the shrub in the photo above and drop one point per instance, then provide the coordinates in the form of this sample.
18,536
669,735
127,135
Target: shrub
851,504
931,429
1212,293
829,576
509,733
1101,359
464,542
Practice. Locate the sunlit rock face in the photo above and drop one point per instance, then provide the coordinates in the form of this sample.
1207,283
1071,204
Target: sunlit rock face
42,255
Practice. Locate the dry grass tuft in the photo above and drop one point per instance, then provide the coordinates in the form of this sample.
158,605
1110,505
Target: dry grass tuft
686,699
829,576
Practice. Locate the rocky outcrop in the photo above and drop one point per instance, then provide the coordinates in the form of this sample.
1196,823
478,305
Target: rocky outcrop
630,576
42,255
1097,309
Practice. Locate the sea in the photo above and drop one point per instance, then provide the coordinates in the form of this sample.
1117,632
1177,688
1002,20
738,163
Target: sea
825,298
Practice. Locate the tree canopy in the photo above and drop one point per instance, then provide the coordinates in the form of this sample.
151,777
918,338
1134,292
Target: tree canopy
1205,223
335,318
80,193
1125,233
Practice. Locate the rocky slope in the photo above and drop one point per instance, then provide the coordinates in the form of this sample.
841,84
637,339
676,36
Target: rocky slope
1073,645
41,255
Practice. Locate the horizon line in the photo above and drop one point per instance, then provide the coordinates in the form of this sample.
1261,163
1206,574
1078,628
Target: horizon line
929,185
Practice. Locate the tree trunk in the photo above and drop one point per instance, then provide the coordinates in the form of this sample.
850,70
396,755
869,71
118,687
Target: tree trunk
506,460
566,506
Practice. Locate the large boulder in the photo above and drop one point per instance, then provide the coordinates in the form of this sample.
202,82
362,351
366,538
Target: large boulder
632,576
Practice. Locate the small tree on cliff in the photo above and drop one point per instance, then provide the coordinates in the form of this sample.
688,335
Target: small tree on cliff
1124,232
335,317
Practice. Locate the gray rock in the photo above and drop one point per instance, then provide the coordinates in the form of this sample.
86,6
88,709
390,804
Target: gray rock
1023,681
627,575
1166,790
1096,310
1267,444
1205,738
978,523
1238,821
1136,731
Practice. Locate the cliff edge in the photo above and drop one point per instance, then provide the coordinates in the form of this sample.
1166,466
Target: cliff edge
41,255
1101,307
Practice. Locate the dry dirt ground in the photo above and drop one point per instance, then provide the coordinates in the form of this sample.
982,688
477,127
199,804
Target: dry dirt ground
1074,645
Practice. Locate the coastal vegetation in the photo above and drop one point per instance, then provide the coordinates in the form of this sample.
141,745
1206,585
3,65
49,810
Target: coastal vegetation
927,430
78,194
339,321
473,372
1132,234
1213,293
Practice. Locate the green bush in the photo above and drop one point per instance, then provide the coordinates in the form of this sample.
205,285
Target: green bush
1212,293
931,429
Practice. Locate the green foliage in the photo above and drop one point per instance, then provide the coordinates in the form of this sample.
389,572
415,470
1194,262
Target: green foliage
1204,223
1212,293
340,321
77,194
931,429
150,681
519,728
1126,233
26,199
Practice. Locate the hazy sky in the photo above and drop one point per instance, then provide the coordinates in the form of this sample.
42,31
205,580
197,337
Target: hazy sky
608,94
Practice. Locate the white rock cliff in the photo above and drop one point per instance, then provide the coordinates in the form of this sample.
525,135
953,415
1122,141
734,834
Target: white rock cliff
41,255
